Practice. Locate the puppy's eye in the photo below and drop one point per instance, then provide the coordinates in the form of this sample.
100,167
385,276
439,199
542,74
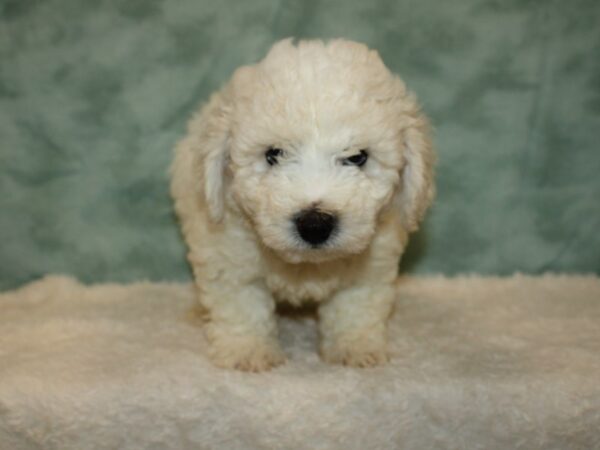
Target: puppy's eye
272,154
356,160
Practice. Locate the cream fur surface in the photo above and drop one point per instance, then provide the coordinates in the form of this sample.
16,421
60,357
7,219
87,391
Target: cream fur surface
476,363
319,104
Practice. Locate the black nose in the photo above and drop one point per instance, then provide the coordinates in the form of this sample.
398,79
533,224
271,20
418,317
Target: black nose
315,226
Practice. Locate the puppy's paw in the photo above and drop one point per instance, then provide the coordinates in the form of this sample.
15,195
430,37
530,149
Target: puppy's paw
248,354
354,353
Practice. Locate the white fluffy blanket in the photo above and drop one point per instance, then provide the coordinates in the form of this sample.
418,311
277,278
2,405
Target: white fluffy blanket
478,363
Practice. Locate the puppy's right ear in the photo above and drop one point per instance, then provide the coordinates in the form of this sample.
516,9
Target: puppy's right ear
198,172
213,152
200,166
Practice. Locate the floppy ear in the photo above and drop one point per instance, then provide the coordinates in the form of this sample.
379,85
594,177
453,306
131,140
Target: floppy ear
199,171
208,143
417,187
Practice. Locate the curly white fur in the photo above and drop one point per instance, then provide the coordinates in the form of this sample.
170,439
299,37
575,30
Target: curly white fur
320,103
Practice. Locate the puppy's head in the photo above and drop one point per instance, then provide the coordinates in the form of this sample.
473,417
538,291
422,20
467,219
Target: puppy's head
313,144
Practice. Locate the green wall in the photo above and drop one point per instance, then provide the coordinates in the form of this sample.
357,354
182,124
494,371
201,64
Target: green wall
93,95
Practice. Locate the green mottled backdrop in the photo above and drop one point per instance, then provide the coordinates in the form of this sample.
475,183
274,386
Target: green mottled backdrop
93,95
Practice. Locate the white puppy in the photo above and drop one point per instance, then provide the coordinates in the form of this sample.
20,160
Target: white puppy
300,180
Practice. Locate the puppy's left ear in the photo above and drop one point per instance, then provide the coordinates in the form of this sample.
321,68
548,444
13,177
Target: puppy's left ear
417,187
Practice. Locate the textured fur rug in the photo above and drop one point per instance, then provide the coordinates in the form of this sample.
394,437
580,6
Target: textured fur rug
478,363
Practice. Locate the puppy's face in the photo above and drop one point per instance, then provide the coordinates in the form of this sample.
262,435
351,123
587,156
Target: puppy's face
317,147
314,180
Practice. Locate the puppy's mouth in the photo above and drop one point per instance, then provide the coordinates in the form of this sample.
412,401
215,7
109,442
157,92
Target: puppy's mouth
311,235
296,250
301,251
310,254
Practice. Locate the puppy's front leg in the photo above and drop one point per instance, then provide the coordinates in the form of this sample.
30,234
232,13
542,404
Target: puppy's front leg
242,331
353,325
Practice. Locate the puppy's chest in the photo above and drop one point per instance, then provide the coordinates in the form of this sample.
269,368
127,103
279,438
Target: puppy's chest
300,284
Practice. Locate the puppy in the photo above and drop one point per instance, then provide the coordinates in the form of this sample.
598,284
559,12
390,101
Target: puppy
300,180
